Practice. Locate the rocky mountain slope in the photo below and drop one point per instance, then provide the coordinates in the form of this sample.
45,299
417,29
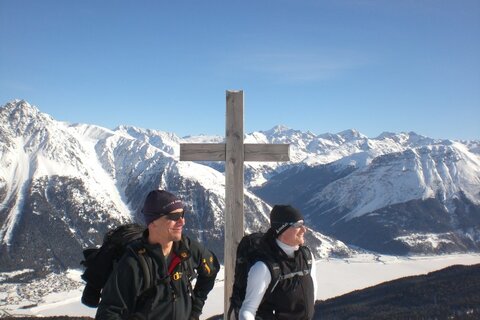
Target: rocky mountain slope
422,199
63,185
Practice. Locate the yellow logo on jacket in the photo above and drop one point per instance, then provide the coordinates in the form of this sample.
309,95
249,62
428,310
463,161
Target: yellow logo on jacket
206,267
177,276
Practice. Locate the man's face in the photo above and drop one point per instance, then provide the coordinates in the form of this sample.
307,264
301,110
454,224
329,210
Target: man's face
293,236
167,229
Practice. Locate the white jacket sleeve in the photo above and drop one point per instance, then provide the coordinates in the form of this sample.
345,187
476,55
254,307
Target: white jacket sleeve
314,278
258,280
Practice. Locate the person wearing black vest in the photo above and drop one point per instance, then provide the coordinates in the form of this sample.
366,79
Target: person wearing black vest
172,261
290,298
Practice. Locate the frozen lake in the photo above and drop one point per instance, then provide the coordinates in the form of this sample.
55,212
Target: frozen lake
335,277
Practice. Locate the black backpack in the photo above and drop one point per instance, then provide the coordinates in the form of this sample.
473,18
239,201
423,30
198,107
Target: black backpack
252,248
99,262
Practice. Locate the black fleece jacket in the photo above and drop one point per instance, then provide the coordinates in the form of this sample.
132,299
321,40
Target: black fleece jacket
171,297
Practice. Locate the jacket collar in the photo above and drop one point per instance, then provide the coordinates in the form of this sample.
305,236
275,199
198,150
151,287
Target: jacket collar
179,247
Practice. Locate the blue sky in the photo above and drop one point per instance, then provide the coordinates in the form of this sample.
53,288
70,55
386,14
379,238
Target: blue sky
318,65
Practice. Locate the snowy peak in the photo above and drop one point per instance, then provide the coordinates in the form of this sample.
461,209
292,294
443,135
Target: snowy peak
350,135
49,164
71,182
29,134
407,193
84,178
277,130
203,139
438,171
165,141
21,108
283,134
410,139
92,132
22,118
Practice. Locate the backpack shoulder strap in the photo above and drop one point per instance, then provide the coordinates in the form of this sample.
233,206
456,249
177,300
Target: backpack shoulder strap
307,255
145,263
146,294
187,265
277,274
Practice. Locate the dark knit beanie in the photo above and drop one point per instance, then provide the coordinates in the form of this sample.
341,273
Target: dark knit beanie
282,216
159,203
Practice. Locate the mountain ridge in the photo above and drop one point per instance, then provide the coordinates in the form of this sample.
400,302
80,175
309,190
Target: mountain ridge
84,179
62,186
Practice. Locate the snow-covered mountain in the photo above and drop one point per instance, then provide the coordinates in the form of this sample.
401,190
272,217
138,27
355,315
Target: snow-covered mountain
403,194
348,148
62,186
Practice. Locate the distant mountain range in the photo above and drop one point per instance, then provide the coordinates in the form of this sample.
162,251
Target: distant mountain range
396,194
63,185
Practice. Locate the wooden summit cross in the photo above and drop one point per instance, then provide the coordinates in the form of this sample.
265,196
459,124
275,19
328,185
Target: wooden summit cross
234,152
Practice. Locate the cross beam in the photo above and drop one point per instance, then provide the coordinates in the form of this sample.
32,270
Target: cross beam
234,152
217,152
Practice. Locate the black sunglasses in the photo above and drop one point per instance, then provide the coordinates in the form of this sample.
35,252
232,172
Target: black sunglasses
175,216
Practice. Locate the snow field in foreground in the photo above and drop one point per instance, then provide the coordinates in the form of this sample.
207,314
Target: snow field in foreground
335,277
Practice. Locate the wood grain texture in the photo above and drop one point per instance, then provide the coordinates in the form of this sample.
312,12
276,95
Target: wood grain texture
234,182
202,152
267,152
234,152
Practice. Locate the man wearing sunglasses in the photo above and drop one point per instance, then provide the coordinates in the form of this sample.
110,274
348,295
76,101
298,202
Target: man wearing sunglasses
292,294
172,261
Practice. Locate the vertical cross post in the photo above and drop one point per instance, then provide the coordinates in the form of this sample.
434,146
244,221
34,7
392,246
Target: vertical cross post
234,182
234,152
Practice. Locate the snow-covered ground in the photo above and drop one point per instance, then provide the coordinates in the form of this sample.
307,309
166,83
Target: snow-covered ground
335,277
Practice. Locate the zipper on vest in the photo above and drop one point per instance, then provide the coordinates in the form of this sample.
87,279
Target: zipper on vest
307,299
174,311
